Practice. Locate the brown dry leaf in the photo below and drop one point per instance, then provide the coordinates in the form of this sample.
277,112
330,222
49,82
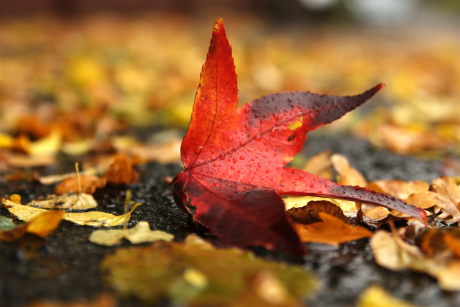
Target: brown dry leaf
85,184
331,231
447,199
393,253
121,171
373,214
310,213
414,192
406,140
47,146
90,218
104,300
41,225
320,165
347,175
348,207
375,296
453,243
140,233
165,152
50,179
78,201
22,160
193,273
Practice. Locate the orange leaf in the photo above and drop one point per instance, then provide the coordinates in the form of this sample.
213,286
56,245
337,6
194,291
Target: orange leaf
89,184
121,171
453,243
42,225
331,231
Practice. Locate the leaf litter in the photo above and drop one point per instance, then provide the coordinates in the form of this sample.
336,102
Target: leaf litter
196,274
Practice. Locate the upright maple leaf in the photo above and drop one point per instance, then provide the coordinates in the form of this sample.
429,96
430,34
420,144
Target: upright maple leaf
235,158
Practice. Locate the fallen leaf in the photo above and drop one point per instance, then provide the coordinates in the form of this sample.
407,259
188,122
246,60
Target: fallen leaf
447,199
373,214
193,273
406,140
375,296
453,243
165,152
50,179
78,201
320,165
41,225
310,213
347,175
140,233
331,230
234,158
22,160
393,253
85,184
90,218
121,171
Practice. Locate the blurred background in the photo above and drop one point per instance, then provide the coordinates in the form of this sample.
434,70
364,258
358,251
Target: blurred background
94,68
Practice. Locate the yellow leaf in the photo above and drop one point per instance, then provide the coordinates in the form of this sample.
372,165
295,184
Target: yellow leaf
90,218
47,146
374,296
347,175
79,201
320,165
140,233
393,253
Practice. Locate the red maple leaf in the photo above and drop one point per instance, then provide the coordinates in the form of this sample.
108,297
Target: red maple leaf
235,158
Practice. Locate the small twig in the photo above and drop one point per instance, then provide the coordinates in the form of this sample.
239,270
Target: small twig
129,194
77,170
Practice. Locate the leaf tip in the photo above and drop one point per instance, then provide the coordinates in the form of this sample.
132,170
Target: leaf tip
219,24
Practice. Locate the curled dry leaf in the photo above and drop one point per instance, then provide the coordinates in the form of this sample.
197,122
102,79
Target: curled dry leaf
50,179
393,253
193,273
375,296
90,218
320,165
310,213
78,201
347,175
331,230
415,192
140,233
6,223
348,207
453,242
41,225
121,171
86,184
165,152
447,199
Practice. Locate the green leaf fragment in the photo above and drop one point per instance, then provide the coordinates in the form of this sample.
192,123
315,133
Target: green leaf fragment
197,274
